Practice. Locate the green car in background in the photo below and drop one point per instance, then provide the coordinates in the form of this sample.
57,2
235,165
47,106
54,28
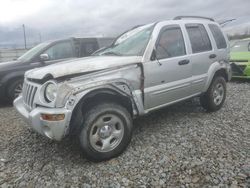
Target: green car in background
240,58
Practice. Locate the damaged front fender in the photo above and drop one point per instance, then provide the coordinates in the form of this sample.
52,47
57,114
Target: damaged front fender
118,91
119,88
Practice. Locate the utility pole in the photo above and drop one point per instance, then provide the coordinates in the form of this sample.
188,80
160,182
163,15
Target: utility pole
24,36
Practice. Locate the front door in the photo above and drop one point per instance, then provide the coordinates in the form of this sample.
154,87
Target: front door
167,78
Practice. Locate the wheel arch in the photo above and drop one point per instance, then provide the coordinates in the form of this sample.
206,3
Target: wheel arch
216,69
97,95
13,76
222,72
8,79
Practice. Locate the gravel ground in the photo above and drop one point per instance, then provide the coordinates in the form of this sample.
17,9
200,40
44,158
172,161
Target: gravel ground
180,146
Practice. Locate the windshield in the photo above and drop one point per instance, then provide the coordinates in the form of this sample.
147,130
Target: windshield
241,46
131,43
32,52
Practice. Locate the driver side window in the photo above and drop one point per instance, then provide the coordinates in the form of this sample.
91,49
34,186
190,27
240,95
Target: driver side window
61,50
170,43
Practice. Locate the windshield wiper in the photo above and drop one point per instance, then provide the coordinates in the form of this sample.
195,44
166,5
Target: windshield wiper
112,53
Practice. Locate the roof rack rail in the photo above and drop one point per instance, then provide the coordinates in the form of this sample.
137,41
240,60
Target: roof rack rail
200,17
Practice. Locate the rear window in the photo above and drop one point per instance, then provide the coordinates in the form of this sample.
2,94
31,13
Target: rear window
199,39
218,36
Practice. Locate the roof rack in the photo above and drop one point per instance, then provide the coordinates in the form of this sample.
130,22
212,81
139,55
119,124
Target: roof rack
200,17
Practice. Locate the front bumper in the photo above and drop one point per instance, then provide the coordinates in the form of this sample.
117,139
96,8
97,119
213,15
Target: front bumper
55,130
241,70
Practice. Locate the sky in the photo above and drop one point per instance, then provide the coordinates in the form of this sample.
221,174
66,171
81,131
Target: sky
63,18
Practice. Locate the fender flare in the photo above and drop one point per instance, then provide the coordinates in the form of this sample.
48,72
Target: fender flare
75,102
216,66
118,87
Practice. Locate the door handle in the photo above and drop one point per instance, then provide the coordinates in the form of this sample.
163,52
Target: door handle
212,56
183,62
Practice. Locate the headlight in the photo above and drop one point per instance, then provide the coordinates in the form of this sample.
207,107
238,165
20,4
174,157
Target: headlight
50,92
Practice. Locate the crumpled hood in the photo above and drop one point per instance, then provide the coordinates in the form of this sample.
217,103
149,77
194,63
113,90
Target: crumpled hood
82,65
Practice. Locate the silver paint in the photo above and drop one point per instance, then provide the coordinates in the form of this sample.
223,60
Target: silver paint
148,84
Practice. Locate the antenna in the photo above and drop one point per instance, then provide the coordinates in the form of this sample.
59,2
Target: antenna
225,22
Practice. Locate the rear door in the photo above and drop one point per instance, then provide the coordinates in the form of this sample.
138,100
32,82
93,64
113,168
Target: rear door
167,78
203,55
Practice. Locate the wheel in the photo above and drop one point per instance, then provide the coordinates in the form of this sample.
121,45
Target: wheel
106,131
14,89
215,96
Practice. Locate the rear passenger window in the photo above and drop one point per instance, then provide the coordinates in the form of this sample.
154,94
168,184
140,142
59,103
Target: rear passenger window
170,43
218,36
199,39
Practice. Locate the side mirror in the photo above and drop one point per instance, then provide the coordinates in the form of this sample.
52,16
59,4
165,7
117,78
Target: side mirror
44,57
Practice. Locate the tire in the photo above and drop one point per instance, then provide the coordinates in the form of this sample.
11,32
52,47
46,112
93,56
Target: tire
215,96
14,89
106,131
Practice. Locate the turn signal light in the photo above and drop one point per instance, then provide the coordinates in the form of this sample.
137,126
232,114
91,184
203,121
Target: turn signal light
53,117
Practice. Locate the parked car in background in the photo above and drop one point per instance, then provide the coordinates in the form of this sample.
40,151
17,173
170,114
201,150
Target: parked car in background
240,58
145,69
46,53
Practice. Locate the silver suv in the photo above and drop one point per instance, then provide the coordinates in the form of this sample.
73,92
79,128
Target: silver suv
147,68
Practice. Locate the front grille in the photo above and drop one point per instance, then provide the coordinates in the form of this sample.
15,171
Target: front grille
242,67
238,70
28,93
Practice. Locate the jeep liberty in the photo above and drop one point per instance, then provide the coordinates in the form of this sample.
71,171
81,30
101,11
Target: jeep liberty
146,68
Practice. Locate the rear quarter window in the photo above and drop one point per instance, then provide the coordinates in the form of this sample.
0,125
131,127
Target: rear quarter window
218,36
199,39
